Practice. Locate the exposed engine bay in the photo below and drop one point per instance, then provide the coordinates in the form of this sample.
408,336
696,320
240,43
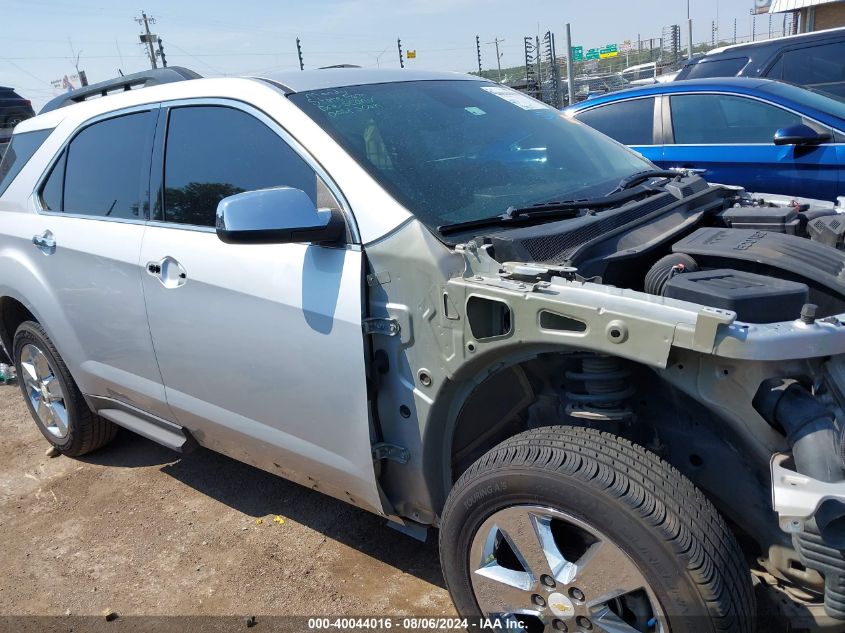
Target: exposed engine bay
763,257
773,261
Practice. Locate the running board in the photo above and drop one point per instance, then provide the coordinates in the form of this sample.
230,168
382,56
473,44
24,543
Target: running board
153,428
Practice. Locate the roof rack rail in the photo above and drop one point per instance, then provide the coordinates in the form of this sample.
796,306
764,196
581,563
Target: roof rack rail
123,83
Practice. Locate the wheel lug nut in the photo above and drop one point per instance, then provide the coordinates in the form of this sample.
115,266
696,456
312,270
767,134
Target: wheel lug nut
584,623
576,594
547,580
538,600
559,625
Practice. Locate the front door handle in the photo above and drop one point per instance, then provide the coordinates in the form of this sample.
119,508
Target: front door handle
691,170
45,242
169,272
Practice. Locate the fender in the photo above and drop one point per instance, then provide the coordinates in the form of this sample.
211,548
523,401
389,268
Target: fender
40,299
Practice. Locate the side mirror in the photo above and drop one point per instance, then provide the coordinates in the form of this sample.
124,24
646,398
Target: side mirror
278,215
800,135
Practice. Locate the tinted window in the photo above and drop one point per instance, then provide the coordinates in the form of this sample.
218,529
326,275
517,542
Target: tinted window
717,68
51,192
629,122
454,151
722,119
214,152
18,153
106,163
818,67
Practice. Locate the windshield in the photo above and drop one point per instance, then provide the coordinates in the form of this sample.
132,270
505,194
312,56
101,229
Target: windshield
455,151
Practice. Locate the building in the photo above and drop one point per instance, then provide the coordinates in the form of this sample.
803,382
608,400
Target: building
813,15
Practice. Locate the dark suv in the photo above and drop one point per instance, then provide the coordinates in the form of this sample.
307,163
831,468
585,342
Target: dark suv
13,109
813,60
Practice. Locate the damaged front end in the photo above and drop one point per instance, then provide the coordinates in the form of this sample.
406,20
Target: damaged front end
791,374
701,322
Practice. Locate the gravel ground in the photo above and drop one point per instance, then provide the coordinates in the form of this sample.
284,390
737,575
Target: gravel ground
140,530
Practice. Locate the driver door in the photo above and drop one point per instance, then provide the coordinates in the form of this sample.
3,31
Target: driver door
260,346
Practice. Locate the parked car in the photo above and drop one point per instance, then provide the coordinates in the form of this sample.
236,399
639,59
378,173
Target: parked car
759,134
813,60
440,300
13,108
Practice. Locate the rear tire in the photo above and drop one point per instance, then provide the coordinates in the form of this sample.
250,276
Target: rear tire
54,400
571,496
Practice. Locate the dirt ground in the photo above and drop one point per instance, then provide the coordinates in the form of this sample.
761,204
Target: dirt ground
138,529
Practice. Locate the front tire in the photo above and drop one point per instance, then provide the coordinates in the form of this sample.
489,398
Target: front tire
574,529
54,400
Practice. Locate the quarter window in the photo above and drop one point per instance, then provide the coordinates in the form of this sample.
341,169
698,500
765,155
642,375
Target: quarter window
20,150
724,120
629,122
214,152
105,169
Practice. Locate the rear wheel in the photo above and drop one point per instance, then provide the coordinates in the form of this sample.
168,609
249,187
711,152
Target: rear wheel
54,400
573,529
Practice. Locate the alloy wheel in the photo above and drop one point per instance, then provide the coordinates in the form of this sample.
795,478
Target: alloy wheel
550,571
44,390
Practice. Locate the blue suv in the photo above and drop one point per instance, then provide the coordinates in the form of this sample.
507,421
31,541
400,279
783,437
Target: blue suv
760,134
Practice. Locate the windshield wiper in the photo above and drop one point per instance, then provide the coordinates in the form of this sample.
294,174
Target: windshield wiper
555,210
641,176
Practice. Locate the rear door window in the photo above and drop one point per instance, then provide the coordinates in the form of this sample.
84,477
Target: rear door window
818,67
20,150
214,152
629,122
104,171
711,119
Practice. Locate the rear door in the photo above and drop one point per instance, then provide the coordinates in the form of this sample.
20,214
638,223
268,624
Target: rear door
84,242
631,122
260,345
728,139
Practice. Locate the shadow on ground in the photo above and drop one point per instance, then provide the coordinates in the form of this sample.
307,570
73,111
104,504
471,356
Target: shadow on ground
258,494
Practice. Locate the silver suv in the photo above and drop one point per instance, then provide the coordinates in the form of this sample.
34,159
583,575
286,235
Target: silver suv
617,391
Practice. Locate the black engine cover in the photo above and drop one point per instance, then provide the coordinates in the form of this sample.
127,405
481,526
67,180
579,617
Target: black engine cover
754,298
817,263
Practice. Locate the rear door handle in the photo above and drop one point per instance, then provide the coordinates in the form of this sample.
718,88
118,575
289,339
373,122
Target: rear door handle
45,242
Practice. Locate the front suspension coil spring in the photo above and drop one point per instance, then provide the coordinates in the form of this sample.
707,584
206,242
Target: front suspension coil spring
605,390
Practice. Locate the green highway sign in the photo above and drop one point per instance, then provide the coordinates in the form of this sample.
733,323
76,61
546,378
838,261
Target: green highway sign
592,53
577,53
610,50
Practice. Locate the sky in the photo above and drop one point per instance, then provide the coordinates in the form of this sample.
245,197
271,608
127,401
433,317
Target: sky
250,37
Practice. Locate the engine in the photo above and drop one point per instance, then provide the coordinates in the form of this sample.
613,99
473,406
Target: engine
764,257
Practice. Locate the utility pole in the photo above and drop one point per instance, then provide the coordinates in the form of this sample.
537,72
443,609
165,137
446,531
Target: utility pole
478,51
83,78
401,59
570,71
734,30
498,56
147,37
299,54
161,54
689,28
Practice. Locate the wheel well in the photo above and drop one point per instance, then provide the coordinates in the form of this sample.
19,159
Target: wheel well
650,412
12,314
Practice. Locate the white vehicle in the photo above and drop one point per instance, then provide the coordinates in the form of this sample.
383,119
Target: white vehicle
617,391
